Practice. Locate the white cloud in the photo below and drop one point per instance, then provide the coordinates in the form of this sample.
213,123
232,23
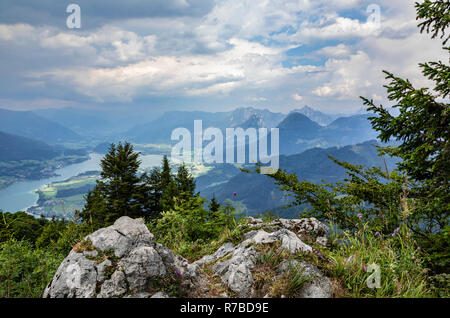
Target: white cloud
297,97
238,47
247,64
340,50
347,78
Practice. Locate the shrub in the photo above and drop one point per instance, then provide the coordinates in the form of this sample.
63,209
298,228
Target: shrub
25,271
189,228
71,235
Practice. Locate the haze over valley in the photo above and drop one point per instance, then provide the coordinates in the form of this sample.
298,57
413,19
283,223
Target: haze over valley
33,159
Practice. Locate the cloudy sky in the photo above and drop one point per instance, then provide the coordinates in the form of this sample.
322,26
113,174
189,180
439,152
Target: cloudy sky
208,55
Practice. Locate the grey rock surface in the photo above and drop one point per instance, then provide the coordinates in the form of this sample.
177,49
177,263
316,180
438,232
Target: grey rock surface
133,262
122,260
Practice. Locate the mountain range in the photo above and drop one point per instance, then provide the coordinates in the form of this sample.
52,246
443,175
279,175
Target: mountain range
317,116
297,131
159,130
257,193
31,125
15,148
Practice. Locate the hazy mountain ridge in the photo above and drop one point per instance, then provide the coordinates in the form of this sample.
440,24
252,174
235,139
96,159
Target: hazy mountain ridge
28,124
159,131
14,148
298,133
258,193
317,116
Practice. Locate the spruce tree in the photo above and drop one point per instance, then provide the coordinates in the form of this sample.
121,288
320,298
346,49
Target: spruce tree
169,197
166,173
423,129
154,193
214,206
185,182
119,192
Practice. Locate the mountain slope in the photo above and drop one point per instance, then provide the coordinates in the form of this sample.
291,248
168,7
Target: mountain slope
299,133
258,193
14,148
28,124
80,121
315,115
349,130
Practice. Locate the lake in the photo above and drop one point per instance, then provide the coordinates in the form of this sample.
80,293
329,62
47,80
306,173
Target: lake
20,195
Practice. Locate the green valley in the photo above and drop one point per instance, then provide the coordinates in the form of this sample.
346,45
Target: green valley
62,199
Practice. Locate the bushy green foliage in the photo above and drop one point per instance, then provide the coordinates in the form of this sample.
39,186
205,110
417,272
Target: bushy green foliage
20,226
121,191
70,236
25,270
189,226
51,233
423,129
369,194
31,250
164,187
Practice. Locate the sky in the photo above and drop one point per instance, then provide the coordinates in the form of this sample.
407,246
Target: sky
208,55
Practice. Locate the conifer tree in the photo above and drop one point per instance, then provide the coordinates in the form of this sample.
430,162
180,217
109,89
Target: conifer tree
120,191
214,206
185,182
169,196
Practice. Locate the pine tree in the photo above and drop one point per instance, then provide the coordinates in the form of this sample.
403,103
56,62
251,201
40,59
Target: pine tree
154,193
423,128
119,192
214,206
166,173
185,182
169,197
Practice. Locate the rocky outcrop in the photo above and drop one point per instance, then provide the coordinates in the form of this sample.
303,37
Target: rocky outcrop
235,264
122,260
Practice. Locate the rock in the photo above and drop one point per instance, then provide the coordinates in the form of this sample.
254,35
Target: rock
287,265
225,249
303,226
291,242
319,287
240,279
128,254
75,277
90,254
139,295
143,262
101,269
115,286
236,272
322,240
122,260
160,295
122,236
253,222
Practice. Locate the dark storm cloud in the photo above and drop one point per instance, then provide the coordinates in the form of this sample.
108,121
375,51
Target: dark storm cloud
98,12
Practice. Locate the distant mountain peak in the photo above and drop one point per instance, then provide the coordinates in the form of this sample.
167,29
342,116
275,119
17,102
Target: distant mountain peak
297,120
315,115
253,121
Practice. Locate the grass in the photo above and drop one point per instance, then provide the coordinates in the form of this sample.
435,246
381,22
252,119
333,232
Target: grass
401,270
270,280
